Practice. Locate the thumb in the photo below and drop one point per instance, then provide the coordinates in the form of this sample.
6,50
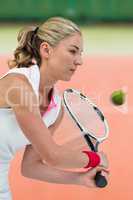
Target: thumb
93,171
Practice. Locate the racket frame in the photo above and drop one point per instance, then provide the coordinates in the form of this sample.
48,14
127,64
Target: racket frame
87,134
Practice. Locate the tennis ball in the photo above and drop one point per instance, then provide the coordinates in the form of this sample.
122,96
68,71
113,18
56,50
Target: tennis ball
118,97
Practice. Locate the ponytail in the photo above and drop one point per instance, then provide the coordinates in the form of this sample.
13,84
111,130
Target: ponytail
26,51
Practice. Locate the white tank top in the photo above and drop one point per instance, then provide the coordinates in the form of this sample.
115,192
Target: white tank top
11,136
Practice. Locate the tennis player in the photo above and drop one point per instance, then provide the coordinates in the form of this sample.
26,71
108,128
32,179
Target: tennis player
31,107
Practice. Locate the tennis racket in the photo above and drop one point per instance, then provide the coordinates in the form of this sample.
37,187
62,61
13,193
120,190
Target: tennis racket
90,120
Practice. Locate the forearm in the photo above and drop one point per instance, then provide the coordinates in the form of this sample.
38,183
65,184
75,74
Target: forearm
70,158
43,172
39,136
69,155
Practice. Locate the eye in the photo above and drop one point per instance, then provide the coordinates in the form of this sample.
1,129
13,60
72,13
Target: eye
73,51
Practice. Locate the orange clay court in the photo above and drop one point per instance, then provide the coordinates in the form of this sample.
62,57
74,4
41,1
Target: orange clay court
99,76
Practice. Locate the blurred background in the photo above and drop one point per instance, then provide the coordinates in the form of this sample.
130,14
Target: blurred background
107,27
106,24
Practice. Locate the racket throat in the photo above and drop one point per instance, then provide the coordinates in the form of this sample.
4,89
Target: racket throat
90,144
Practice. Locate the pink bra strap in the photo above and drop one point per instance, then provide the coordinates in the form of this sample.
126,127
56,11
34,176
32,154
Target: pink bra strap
50,106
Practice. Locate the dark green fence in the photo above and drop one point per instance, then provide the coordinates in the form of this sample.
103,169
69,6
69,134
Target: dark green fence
77,9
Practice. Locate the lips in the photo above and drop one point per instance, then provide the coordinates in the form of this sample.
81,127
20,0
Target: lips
72,70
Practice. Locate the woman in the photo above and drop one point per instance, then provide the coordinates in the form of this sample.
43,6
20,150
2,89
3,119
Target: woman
31,110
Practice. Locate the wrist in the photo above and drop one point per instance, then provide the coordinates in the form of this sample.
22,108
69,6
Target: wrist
94,159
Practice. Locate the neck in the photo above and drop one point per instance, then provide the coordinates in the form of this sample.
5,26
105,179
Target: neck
47,81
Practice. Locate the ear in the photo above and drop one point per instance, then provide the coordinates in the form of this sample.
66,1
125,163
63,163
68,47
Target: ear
45,50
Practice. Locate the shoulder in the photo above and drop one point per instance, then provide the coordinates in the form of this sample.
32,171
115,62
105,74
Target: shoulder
17,81
19,91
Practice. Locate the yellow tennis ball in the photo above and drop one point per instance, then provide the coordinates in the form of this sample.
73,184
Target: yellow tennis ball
118,97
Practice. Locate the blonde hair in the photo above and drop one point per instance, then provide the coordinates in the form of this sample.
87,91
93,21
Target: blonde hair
29,39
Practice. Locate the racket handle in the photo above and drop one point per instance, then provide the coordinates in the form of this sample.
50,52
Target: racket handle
100,180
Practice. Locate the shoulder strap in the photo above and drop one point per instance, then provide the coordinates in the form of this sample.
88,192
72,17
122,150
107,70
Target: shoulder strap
32,74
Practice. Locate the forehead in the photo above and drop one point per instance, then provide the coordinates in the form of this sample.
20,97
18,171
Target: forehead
73,40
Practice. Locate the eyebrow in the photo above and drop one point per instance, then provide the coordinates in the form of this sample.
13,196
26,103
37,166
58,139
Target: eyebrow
75,47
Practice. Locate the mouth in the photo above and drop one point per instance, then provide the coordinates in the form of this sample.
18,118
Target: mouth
72,70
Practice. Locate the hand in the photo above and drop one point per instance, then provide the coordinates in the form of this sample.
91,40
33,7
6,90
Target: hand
87,178
104,161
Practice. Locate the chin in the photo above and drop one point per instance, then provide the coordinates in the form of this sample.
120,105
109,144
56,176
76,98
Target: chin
67,78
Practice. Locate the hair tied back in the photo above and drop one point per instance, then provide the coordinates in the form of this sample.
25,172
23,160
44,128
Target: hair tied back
36,29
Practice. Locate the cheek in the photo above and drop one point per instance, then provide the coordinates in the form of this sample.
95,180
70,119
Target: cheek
61,61
56,65
66,61
64,56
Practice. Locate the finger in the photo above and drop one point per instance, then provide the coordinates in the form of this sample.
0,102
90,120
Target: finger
93,171
106,170
106,174
101,168
105,166
91,184
103,171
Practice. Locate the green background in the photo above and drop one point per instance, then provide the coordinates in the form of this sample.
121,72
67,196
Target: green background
105,10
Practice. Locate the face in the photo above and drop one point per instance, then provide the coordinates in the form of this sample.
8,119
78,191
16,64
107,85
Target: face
66,57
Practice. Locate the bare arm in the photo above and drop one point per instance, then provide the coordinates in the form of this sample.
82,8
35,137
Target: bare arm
32,167
29,119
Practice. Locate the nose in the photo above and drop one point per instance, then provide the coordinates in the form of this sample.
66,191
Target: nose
79,60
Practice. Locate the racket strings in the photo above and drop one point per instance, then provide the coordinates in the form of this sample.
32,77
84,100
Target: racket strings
86,114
